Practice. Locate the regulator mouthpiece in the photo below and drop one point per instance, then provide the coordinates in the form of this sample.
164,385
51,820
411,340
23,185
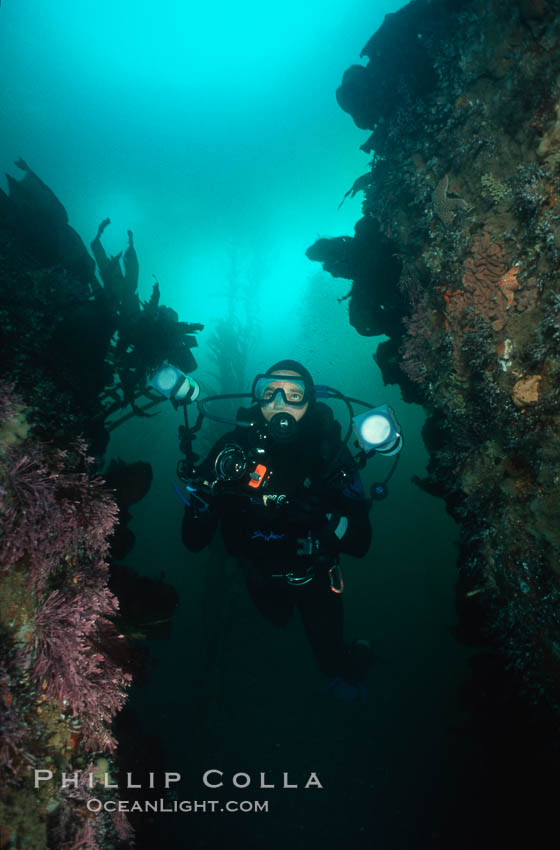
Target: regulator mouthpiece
377,429
283,427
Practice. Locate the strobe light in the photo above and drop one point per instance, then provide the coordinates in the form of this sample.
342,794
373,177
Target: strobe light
174,384
378,429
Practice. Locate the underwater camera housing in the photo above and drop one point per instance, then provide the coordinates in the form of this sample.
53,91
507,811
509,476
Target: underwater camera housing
235,464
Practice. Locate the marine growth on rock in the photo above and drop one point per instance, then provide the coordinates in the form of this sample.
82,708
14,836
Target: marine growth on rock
464,187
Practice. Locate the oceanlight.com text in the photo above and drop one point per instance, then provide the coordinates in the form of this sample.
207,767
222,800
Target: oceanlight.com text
173,806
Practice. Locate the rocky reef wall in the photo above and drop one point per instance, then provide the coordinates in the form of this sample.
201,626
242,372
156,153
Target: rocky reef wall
75,353
456,260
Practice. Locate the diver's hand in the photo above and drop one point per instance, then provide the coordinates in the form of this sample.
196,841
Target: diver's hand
325,537
303,512
200,519
199,498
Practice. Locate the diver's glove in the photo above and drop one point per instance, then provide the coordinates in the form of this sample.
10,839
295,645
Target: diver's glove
307,511
203,496
226,496
201,518
199,498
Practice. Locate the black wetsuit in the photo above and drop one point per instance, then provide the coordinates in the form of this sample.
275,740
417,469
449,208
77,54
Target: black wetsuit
323,508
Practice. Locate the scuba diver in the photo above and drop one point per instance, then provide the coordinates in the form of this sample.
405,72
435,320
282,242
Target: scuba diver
287,494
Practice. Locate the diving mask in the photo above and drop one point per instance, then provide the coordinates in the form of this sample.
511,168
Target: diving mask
275,389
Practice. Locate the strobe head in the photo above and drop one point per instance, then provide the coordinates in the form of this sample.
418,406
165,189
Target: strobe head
174,384
377,429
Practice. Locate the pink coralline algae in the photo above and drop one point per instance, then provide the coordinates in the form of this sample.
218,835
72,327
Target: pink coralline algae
85,838
7,403
71,666
415,349
56,612
74,827
53,513
123,828
13,738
